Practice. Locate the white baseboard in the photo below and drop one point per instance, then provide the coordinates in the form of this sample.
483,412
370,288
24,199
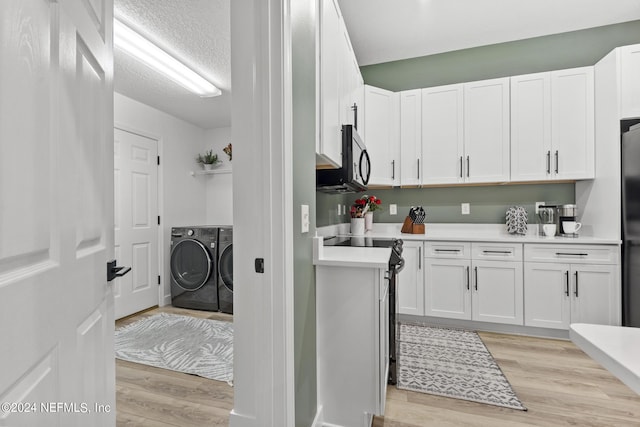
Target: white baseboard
241,420
317,420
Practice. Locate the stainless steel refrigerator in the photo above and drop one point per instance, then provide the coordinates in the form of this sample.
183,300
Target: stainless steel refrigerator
630,163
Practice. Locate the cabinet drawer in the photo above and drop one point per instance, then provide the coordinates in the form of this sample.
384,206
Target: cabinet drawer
497,251
455,250
574,254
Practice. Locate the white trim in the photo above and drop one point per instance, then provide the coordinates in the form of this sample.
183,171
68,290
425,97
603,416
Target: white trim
318,420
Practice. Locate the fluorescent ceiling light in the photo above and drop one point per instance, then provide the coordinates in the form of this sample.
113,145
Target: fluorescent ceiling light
139,47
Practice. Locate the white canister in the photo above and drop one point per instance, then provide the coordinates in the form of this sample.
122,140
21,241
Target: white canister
357,226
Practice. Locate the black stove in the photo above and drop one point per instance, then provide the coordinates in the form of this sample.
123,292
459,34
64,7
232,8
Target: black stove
396,264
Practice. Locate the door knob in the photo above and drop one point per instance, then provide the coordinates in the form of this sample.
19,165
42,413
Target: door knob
114,272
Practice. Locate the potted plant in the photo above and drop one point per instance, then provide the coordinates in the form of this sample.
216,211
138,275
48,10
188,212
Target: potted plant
208,159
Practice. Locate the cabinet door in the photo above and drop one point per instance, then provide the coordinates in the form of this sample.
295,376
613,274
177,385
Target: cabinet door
358,100
486,130
596,294
531,127
410,293
547,295
381,127
572,123
442,135
630,84
448,288
410,137
347,77
497,292
329,147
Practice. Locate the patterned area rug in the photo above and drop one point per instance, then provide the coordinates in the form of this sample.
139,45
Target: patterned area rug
186,344
452,363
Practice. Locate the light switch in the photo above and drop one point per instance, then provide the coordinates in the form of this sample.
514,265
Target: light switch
465,208
304,211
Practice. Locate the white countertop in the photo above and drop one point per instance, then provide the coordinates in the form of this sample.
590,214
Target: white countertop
468,233
350,256
617,348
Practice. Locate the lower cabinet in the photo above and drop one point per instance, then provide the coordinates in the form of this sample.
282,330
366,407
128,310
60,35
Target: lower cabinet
410,281
458,286
558,294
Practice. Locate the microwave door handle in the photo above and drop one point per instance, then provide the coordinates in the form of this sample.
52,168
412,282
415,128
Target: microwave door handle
364,156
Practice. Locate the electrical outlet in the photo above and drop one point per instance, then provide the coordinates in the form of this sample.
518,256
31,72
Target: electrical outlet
393,209
344,209
304,213
465,208
538,204
339,212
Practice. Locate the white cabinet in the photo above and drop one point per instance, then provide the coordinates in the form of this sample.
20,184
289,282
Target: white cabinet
352,315
381,121
552,125
340,84
629,81
442,135
568,288
486,130
411,137
410,281
572,123
477,281
531,127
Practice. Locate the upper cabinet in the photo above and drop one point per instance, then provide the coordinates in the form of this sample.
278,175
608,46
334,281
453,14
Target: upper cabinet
340,85
486,130
442,135
630,83
410,137
465,133
381,120
552,125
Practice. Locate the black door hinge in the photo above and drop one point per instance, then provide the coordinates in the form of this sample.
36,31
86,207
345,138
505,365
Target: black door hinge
158,279
158,160
158,219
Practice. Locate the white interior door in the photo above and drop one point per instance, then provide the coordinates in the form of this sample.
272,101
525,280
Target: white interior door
56,214
136,224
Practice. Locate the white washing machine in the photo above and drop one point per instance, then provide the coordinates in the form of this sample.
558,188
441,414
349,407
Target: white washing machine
194,268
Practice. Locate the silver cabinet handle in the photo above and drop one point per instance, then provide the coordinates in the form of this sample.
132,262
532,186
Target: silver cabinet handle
576,292
570,254
549,161
447,250
566,291
468,168
468,278
556,161
393,169
497,252
419,257
418,168
461,167
476,271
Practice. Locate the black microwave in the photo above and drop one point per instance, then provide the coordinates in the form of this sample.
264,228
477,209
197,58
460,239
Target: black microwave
354,174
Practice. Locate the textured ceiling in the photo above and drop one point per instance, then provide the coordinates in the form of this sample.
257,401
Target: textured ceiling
385,30
197,32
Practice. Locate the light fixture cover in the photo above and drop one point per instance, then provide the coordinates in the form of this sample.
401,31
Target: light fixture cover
142,49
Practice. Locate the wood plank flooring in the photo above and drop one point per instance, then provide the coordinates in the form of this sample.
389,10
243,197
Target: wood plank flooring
556,381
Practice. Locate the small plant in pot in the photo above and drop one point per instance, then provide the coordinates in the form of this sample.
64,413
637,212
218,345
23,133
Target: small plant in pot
208,159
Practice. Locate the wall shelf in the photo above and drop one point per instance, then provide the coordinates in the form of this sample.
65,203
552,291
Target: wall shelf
211,172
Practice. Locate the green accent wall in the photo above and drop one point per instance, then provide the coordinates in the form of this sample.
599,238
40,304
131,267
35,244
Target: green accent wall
554,52
304,121
488,204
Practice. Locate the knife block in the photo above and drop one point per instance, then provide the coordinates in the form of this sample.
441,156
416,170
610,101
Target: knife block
409,227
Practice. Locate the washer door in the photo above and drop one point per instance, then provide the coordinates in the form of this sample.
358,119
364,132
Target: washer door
190,264
225,267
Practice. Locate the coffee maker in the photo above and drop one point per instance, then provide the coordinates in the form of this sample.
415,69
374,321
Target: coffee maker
567,213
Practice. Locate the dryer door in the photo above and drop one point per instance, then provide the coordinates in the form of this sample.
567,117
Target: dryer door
190,264
226,267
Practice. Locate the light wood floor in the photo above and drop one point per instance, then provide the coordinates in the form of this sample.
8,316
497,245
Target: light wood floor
556,381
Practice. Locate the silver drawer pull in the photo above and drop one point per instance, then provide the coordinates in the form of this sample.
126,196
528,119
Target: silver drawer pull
497,252
570,254
447,250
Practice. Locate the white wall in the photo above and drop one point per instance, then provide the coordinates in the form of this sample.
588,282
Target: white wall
219,187
182,197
